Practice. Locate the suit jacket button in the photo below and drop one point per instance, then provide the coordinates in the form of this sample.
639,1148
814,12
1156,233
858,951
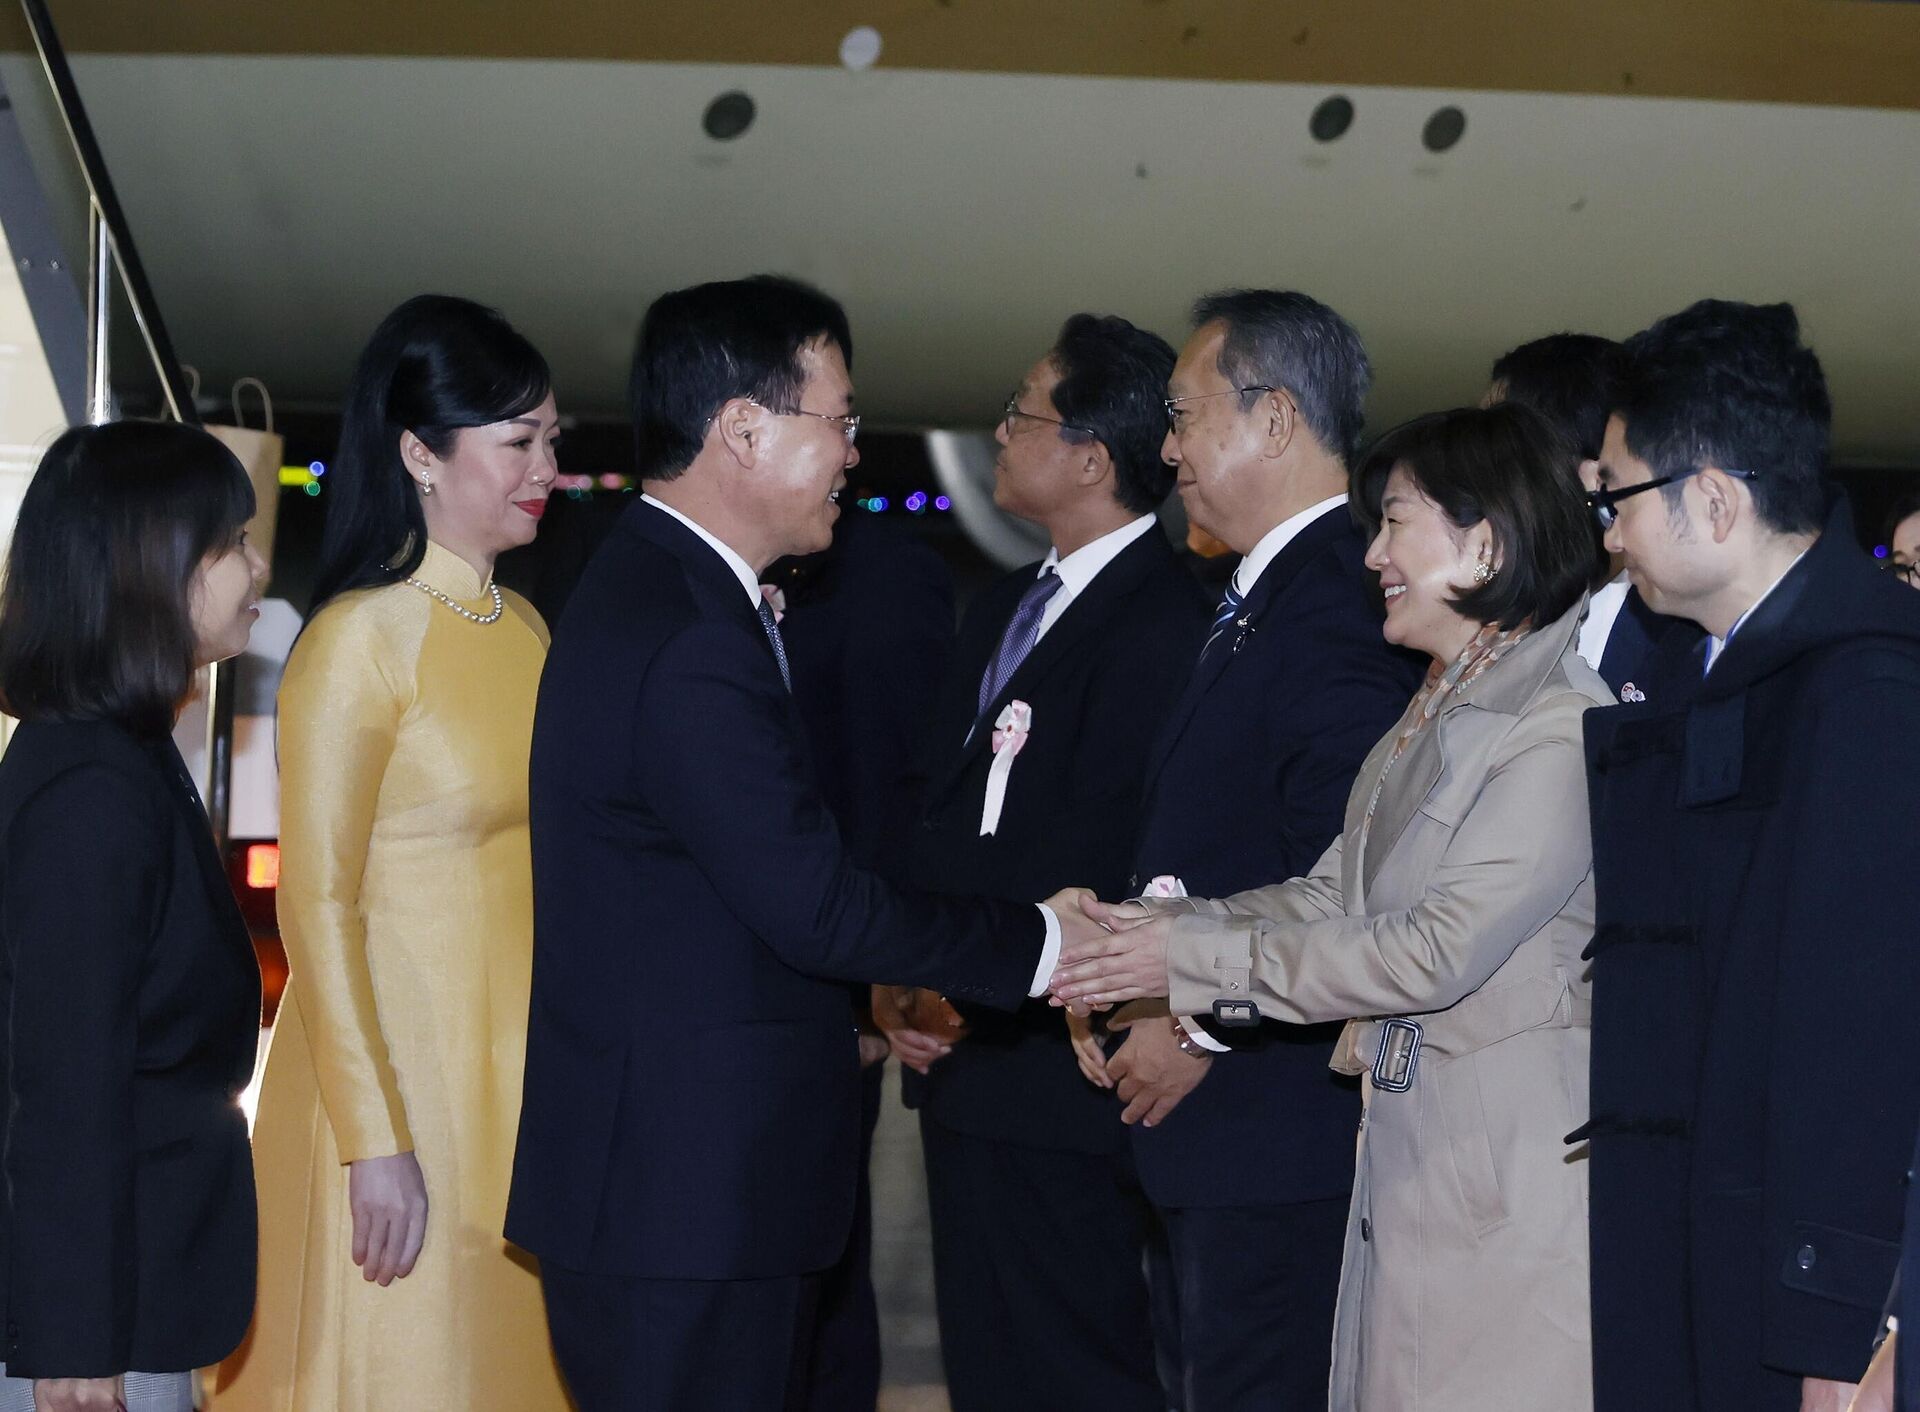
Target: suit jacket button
1805,1257
1366,1229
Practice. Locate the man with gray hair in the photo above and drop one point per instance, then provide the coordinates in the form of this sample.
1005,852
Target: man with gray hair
1247,786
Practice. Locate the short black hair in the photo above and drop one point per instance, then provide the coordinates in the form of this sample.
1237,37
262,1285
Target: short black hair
1569,378
1113,382
436,365
699,347
1511,467
1731,385
1278,338
96,616
1905,507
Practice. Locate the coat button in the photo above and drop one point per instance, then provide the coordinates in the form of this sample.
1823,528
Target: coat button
1366,1229
1805,1257
1133,883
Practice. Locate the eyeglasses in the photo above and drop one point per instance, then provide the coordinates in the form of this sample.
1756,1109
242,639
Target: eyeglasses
1904,569
849,426
1602,502
1174,408
1012,410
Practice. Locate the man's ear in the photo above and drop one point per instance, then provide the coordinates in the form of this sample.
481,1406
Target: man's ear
1283,419
1720,496
1097,465
740,425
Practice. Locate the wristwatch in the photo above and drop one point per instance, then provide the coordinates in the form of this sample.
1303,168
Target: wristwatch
1188,1044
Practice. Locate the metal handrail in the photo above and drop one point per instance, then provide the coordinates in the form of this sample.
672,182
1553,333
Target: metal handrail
112,218
110,247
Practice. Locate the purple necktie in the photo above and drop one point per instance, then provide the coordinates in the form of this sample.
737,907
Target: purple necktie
1023,630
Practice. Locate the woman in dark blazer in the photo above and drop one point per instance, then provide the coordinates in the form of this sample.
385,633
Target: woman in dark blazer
129,994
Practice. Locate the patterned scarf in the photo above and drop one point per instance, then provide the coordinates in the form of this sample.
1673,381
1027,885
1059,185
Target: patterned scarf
1489,645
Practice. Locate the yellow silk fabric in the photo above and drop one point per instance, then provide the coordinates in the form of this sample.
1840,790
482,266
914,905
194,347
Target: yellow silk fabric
406,907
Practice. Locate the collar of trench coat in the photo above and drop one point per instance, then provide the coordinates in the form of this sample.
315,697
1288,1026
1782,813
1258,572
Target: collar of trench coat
1503,691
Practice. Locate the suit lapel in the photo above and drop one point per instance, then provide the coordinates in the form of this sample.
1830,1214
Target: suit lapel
710,573
1243,631
206,855
1085,615
1413,778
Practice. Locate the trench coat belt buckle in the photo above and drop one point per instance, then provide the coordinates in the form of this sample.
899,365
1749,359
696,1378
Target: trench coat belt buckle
1399,1055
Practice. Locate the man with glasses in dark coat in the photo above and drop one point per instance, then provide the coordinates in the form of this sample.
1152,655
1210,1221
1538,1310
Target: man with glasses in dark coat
1755,1085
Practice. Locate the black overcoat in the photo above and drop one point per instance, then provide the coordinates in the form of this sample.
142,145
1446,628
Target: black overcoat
1755,977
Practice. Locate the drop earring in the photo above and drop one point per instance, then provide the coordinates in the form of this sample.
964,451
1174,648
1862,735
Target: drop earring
1483,571
426,483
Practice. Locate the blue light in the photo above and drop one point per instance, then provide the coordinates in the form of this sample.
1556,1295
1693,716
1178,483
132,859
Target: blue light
941,502
878,504
1879,551
917,501
319,468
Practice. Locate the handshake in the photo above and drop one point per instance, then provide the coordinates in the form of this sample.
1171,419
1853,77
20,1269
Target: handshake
1110,953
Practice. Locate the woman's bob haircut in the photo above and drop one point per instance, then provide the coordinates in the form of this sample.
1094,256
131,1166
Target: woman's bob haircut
96,620
1506,465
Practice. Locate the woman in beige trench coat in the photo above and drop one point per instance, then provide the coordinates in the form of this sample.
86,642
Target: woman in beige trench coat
1446,925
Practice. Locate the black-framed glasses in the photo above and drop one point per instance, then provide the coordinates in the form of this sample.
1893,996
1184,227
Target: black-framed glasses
1174,408
1906,570
1012,410
1602,502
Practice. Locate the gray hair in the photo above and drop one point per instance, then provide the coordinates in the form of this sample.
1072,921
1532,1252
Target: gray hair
1278,338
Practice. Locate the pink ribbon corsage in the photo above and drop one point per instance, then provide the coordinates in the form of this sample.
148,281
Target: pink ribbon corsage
1010,732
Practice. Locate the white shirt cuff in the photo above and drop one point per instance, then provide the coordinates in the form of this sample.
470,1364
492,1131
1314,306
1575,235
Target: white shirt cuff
1201,1037
1049,953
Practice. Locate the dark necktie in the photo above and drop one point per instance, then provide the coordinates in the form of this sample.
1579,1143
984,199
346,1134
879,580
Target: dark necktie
772,627
1230,604
1023,630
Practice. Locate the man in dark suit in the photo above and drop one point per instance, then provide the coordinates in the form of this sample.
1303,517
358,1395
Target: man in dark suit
1755,1088
868,625
690,1125
1570,379
1038,1220
1247,786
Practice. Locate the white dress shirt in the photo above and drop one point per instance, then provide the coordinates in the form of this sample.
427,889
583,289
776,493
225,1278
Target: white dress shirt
1080,568
750,585
742,570
1603,611
1278,538
1245,577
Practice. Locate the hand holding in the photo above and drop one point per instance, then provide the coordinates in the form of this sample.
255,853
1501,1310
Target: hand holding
914,1048
1088,1052
78,1395
1153,1072
388,1196
1110,967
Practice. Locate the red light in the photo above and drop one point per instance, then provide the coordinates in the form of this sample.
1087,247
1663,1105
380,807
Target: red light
263,866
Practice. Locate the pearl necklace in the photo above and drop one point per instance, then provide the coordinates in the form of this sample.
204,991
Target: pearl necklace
499,603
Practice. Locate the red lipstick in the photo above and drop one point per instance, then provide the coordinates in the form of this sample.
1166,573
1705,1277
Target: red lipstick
535,508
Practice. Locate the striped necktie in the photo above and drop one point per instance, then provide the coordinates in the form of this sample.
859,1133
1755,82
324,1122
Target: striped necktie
1023,630
1230,604
772,627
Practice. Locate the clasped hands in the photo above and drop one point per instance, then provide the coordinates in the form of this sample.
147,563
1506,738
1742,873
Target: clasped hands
1110,953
